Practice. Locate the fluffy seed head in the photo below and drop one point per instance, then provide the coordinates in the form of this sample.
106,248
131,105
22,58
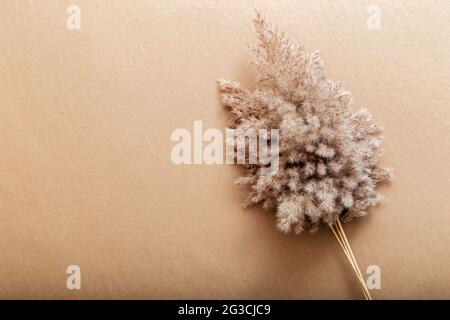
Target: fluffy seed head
329,153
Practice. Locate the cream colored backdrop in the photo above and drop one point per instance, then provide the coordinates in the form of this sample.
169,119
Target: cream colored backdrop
85,170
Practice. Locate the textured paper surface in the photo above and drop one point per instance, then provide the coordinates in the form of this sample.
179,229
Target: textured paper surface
85,170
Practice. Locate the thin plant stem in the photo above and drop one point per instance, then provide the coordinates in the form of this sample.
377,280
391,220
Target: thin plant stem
353,256
347,254
338,232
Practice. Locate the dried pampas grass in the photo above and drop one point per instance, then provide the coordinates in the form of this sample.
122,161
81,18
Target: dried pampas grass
329,153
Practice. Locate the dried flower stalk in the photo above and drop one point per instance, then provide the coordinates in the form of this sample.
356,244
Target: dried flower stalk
329,153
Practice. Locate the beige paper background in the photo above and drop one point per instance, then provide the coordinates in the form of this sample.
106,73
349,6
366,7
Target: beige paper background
85,170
